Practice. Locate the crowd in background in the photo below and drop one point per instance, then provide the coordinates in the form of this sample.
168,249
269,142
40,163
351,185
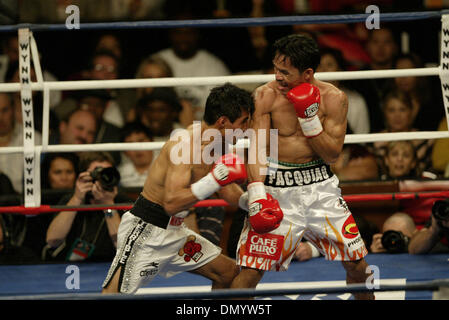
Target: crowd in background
405,104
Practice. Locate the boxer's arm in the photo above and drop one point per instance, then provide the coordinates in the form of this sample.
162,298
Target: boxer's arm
329,143
231,194
260,124
178,195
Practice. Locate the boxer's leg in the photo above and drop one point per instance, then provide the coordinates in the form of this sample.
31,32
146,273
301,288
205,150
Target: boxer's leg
222,270
357,272
112,286
247,278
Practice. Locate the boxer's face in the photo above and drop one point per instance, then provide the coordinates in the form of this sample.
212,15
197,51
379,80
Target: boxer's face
286,75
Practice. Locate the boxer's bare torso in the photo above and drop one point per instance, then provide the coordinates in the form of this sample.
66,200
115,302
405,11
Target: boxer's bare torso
293,146
169,179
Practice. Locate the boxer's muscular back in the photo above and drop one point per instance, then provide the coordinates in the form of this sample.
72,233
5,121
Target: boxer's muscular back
292,144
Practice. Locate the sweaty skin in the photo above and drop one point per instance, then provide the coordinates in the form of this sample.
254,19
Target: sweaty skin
274,111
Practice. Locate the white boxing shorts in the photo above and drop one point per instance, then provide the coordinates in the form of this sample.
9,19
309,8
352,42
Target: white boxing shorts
313,207
150,242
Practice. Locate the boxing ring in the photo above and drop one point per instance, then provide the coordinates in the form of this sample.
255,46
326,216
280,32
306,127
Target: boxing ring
402,276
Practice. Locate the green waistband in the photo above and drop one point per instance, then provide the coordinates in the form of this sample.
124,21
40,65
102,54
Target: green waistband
297,165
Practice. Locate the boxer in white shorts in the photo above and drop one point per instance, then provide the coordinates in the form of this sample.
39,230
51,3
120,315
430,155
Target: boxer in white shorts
308,195
310,117
152,238
149,242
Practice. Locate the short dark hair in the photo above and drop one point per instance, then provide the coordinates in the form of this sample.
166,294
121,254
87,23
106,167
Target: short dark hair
134,127
227,100
302,50
86,158
167,95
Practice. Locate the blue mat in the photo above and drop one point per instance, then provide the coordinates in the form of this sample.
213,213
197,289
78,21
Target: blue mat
52,278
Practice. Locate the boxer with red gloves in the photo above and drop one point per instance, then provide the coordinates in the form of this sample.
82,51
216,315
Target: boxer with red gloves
306,100
153,237
310,118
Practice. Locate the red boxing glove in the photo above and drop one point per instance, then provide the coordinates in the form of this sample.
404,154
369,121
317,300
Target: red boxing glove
229,168
265,215
306,100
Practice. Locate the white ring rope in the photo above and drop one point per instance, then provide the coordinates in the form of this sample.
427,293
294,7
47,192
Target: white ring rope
203,81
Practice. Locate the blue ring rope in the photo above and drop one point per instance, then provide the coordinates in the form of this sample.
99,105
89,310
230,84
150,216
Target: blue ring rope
432,285
233,22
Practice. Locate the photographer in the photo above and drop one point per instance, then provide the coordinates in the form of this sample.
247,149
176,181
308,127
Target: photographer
88,235
396,233
429,238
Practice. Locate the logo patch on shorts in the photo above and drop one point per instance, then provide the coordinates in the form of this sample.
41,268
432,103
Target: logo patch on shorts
349,229
150,269
264,245
191,250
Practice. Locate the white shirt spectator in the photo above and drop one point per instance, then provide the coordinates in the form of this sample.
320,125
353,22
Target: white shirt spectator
129,176
203,64
358,116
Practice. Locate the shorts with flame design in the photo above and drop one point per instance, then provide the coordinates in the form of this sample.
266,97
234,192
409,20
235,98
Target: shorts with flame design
313,208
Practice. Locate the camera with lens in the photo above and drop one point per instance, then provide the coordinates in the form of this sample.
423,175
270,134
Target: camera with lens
440,210
395,241
108,177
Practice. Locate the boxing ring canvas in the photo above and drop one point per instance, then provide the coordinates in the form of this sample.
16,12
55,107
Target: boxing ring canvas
397,269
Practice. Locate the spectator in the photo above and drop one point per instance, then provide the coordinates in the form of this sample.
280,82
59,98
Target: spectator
159,111
426,100
58,173
96,101
10,56
13,229
429,239
11,135
400,160
103,65
80,127
187,59
156,67
404,225
135,164
11,249
91,235
358,114
397,110
382,49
